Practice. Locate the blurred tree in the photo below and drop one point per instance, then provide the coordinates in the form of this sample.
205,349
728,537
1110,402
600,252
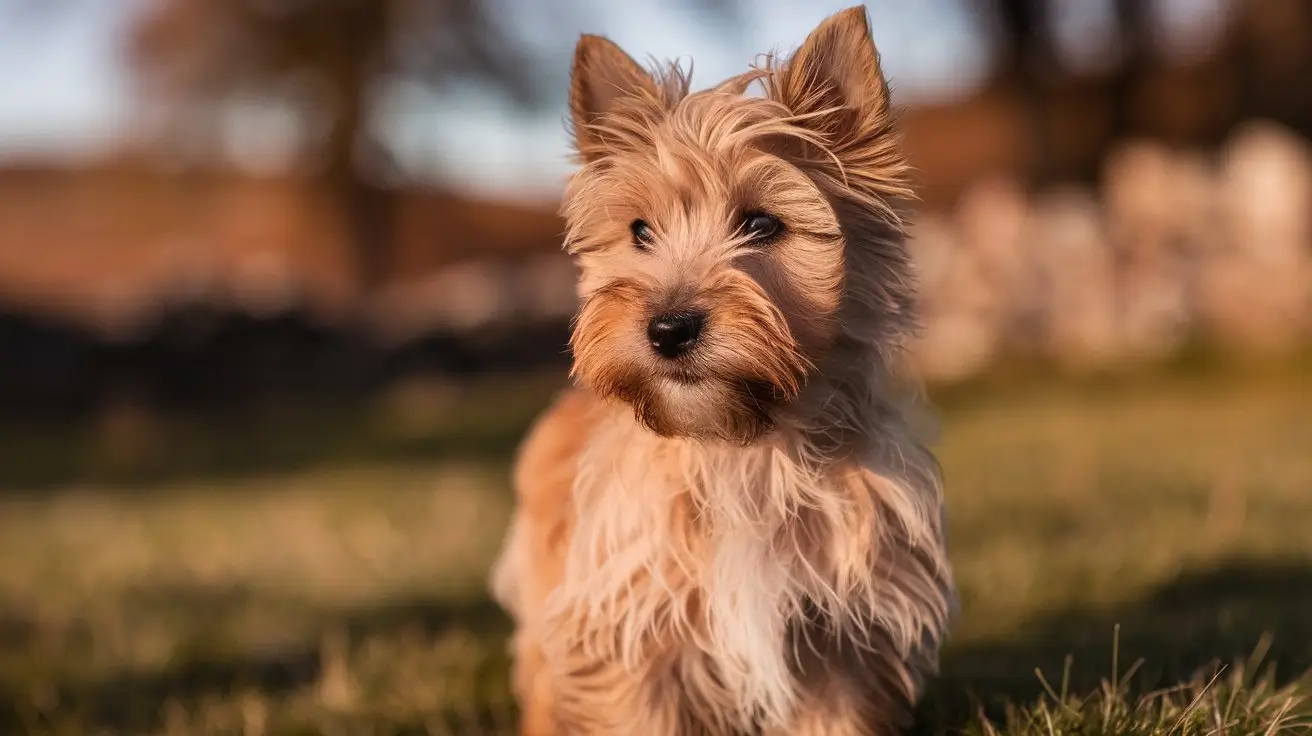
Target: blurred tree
1137,36
1027,54
200,52
196,52
1272,59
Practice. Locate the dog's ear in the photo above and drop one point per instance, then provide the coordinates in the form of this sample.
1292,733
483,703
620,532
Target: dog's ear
835,90
602,74
835,77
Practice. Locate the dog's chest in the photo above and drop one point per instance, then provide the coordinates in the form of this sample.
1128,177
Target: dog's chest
739,585
698,570
743,590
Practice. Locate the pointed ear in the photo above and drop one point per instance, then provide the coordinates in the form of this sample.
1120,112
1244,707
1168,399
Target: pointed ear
836,67
602,74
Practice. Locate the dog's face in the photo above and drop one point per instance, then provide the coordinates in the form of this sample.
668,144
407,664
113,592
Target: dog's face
726,242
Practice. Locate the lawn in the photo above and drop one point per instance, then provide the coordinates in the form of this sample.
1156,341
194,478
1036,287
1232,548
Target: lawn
326,576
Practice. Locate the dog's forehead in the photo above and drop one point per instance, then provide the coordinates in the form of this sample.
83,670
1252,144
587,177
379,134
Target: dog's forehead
708,144
689,185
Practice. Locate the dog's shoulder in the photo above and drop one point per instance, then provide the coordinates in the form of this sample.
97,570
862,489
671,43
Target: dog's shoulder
530,561
547,457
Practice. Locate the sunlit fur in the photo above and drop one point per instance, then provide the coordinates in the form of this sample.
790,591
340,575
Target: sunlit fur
749,539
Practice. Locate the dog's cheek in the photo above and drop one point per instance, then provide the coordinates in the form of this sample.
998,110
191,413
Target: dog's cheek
603,360
804,279
808,286
752,342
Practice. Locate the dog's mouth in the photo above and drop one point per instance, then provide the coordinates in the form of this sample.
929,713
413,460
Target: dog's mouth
757,393
684,373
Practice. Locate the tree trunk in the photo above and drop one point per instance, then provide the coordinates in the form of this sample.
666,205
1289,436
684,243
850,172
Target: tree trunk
1134,28
366,207
1027,58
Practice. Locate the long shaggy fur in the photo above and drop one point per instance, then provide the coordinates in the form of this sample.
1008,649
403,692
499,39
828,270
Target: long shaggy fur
749,539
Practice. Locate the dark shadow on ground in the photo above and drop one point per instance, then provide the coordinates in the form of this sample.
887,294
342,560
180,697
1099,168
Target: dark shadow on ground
1203,618
482,423
211,393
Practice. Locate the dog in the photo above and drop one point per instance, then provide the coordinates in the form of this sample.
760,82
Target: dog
731,523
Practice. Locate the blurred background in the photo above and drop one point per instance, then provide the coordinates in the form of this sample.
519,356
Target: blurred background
281,287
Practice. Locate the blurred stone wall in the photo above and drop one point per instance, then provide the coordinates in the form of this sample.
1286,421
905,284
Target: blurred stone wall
1174,246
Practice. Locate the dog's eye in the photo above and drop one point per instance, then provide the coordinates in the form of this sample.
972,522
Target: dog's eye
642,234
761,228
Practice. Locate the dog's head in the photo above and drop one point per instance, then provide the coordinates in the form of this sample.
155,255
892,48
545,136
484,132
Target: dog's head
729,242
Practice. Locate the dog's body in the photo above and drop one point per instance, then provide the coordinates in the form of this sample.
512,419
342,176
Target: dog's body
730,526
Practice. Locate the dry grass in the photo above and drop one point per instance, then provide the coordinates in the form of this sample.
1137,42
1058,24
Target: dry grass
1240,700
295,596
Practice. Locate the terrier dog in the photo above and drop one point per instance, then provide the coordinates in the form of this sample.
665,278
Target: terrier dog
730,524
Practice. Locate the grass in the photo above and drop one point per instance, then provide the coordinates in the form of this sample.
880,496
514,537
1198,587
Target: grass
1123,549
1222,703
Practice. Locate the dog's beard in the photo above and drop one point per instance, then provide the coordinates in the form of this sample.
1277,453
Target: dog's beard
736,411
731,387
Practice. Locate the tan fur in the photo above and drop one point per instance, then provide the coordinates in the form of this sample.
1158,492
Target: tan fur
751,539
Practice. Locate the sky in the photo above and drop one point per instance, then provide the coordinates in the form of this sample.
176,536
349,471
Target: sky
64,91
62,85
928,46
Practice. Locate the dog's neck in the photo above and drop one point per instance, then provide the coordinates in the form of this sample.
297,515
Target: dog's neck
848,423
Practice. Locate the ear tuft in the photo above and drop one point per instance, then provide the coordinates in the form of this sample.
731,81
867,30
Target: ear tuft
737,85
601,75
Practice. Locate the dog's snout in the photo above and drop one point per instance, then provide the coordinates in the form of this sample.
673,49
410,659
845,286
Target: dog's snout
674,334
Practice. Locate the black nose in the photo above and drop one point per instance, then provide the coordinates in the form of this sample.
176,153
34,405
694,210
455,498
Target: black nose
672,335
